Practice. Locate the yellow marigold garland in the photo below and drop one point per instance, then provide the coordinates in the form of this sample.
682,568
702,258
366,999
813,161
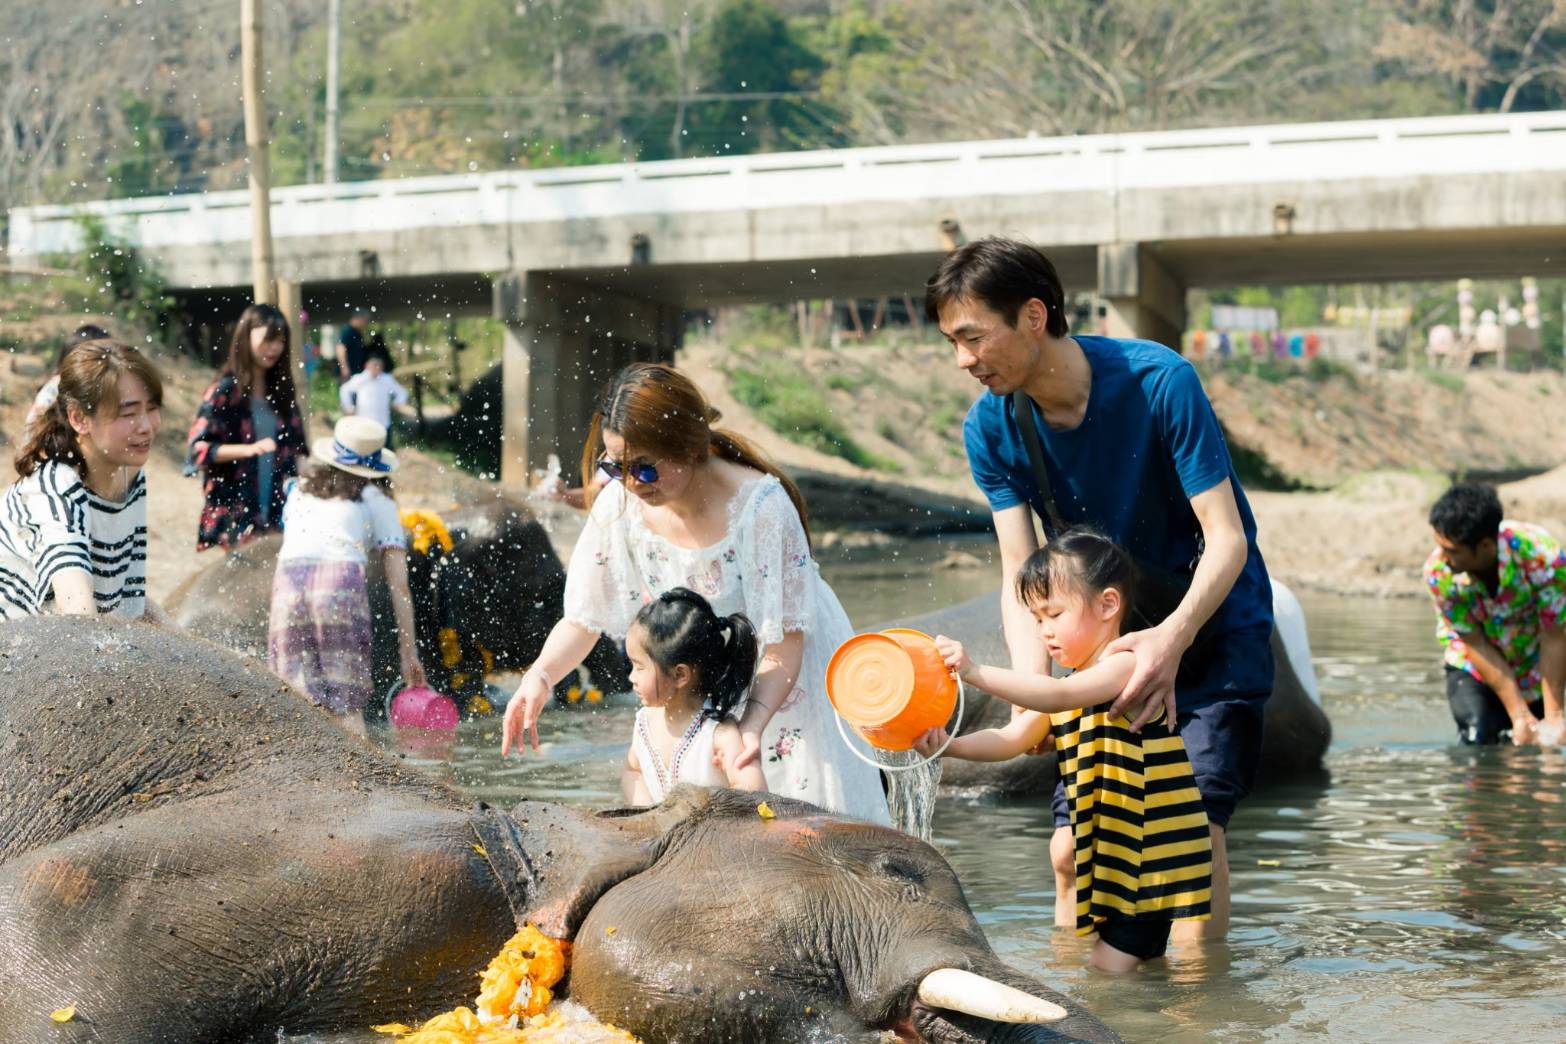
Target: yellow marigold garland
428,528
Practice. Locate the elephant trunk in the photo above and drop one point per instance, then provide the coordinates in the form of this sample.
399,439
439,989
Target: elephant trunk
995,1004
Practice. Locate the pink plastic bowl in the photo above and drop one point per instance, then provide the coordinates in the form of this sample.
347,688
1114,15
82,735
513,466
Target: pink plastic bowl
422,708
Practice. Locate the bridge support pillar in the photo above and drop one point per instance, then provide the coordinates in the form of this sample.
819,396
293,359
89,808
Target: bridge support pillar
563,340
1144,299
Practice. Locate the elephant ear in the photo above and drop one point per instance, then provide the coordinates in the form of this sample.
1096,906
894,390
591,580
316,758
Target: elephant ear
554,861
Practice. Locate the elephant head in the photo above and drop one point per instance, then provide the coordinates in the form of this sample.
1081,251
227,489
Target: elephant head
711,916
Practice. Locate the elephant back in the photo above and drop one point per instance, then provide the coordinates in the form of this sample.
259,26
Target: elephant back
104,719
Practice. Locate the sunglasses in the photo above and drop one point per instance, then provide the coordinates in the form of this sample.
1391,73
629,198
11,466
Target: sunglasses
642,471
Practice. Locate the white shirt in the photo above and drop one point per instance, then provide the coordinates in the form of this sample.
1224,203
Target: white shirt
317,529
51,523
372,397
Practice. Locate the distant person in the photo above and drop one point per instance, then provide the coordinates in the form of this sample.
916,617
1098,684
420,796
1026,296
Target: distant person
691,669
1142,850
73,529
351,349
371,392
378,349
51,388
1118,434
319,630
248,434
1499,588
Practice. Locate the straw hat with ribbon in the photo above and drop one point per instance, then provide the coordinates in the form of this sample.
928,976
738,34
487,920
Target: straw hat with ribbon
357,446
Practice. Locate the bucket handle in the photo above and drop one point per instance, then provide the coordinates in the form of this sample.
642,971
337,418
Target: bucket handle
856,752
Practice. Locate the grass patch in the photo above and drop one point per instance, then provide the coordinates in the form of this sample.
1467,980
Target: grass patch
794,407
844,382
1441,379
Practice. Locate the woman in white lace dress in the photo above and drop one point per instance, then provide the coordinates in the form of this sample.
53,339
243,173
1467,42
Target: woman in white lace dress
700,508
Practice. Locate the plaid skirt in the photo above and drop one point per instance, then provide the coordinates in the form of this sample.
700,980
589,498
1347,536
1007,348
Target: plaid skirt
318,638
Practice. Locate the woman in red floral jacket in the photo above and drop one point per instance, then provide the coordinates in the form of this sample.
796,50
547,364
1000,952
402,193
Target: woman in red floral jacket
248,434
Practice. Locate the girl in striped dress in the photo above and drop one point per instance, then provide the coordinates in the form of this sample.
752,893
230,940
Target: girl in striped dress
73,529
1143,852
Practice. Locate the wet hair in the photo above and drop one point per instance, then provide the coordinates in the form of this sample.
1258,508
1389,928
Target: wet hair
1467,514
1001,274
279,380
331,483
89,380
81,335
679,626
1082,560
659,411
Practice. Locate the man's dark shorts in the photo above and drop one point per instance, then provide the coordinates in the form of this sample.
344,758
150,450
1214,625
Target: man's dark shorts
1222,729
1479,713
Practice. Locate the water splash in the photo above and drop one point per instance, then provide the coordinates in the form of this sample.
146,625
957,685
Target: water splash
912,791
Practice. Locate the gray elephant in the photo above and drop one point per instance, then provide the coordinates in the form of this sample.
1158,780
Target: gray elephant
1296,731
486,604
189,851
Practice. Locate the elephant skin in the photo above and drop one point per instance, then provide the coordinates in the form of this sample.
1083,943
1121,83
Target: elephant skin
190,851
1296,731
500,588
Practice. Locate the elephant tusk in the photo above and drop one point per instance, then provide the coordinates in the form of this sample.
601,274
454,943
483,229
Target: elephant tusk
972,994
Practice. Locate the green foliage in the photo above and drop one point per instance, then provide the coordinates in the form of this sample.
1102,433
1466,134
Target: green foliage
1452,382
791,405
120,277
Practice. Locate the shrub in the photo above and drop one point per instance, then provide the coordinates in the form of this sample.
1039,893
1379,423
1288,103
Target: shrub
791,405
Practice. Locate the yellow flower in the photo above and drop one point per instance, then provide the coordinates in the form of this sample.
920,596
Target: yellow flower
595,695
427,528
764,810
65,1014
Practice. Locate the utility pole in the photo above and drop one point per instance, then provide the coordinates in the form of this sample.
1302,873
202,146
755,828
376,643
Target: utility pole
257,146
334,32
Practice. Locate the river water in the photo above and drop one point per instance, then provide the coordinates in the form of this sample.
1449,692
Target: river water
1419,894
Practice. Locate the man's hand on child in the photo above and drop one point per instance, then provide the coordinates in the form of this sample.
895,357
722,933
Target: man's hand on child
954,654
931,740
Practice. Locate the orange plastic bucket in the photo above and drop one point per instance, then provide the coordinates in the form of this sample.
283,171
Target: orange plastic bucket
891,686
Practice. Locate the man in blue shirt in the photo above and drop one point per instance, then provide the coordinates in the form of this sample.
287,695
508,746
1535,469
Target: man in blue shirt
1131,446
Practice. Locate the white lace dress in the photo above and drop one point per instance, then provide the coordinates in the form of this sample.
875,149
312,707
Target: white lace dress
689,762
763,568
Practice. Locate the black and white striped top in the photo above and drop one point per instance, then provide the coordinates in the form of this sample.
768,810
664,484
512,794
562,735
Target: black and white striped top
51,522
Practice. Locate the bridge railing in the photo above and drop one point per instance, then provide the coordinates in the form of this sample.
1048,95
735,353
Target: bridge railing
1377,149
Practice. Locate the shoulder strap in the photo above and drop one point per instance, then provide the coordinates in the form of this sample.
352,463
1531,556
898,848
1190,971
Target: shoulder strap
1024,412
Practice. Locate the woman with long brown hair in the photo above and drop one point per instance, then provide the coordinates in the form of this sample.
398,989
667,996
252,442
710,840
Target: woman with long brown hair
701,508
73,529
248,434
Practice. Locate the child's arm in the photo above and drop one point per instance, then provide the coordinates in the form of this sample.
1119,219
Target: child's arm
633,788
726,746
395,562
1024,732
1088,687
346,393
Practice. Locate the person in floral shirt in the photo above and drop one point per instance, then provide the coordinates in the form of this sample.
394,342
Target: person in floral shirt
1500,593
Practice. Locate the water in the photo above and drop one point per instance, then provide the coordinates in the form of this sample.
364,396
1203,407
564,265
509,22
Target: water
1421,893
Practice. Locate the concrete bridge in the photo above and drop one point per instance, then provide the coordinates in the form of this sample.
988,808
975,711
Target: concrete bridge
592,267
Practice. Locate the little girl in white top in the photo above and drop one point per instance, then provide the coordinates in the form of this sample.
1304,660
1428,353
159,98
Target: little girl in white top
320,631
689,667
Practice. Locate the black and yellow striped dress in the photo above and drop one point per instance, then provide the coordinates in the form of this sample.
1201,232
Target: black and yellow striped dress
1142,842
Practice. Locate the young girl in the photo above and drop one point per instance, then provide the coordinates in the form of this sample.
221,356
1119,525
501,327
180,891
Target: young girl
319,633
1143,854
73,530
689,668
248,434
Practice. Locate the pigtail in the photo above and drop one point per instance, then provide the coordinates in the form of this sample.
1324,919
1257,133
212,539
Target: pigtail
732,674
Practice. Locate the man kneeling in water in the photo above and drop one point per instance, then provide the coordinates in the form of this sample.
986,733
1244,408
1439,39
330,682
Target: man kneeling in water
1500,594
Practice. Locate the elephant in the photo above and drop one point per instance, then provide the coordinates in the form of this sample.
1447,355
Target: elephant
1296,730
486,604
191,851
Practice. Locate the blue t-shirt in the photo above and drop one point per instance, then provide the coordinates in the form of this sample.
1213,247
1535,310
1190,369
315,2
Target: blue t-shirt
1148,442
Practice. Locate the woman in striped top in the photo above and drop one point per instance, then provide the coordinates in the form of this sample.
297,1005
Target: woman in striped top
73,529
1143,853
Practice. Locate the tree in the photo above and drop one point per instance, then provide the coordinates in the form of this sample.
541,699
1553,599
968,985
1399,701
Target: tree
1498,54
